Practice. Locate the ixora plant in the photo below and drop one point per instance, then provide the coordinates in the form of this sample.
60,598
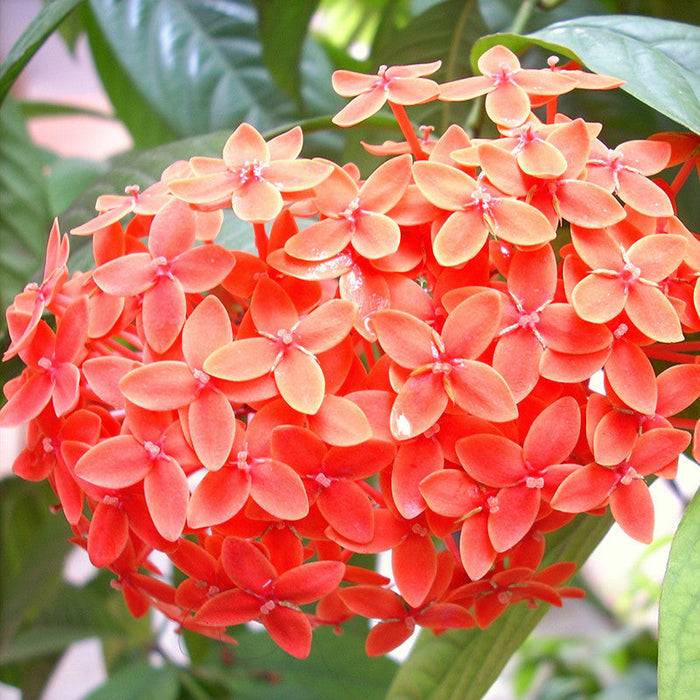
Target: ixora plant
404,365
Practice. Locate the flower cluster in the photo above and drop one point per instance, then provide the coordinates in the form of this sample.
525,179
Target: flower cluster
403,366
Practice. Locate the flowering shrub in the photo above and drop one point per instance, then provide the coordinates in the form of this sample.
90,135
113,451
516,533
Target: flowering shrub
403,366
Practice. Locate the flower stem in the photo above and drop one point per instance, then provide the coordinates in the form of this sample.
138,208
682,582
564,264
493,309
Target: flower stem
682,176
260,240
407,130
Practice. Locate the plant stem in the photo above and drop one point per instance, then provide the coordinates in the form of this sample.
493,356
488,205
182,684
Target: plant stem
260,240
407,130
522,16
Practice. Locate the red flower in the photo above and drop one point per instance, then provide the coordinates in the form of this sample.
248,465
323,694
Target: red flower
269,597
441,368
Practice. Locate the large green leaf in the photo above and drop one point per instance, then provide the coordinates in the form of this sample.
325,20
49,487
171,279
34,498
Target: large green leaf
38,31
146,126
198,63
336,669
657,58
679,613
140,681
25,215
32,557
463,664
282,28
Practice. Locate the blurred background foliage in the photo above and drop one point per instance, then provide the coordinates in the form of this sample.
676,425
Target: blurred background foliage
180,75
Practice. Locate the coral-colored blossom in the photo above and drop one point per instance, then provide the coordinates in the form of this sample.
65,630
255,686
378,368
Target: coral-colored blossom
403,366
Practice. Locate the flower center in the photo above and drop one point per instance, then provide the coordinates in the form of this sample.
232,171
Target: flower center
251,170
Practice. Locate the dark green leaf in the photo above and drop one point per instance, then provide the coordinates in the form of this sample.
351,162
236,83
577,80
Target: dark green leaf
198,63
140,681
282,28
43,25
657,58
144,123
679,612
25,216
52,109
447,31
37,569
462,664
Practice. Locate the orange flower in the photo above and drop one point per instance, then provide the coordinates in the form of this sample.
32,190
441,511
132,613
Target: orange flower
441,368
252,176
284,346
403,85
508,87
628,279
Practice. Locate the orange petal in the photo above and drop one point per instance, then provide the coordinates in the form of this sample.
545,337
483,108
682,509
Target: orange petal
212,423
340,422
203,267
508,105
326,326
385,186
167,494
241,360
207,329
172,230
115,463
320,241
348,511
414,565
653,314
632,378
408,341
471,325
599,299
643,195
481,391
516,512
475,548
163,310
586,204
460,238
300,381
446,187
271,308
277,488
257,201
585,489
160,386
413,463
633,509
245,145
614,438
418,406
375,235
520,223
218,497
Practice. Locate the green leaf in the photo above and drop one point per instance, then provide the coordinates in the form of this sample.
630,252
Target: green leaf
679,612
25,215
198,64
657,58
140,681
336,669
463,664
144,123
31,575
39,30
446,30
282,28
